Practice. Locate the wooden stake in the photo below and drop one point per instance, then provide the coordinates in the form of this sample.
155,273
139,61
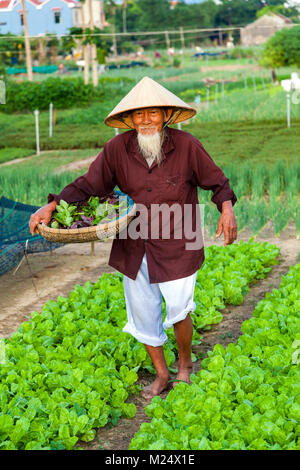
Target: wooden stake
94,48
182,37
167,39
86,50
27,43
54,117
37,133
207,97
50,119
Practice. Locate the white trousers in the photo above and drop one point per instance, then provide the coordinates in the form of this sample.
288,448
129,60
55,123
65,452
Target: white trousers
144,305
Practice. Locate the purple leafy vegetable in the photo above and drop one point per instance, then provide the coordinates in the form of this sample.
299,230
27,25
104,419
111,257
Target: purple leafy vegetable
77,224
87,220
85,213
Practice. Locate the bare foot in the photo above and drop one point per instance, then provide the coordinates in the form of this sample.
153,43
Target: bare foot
156,388
183,374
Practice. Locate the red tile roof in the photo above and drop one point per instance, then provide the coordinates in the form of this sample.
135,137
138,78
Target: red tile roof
4,3
36,2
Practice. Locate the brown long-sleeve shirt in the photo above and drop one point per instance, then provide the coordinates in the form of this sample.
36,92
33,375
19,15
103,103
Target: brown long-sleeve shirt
185,166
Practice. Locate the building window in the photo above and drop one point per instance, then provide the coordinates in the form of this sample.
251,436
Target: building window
57,17
22,19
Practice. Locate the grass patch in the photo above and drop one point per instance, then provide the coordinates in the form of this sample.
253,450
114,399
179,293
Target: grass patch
248,141
30,185
8,154
30,182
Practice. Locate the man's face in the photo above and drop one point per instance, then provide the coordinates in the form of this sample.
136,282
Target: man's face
147,121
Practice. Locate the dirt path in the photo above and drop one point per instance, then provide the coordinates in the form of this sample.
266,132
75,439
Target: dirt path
217,68
57,274
230,68
78,165
54,274
27,159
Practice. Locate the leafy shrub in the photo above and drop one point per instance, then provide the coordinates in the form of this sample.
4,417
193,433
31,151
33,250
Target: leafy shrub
2,71
128,46
190,94
282,49
63,93
163,61
240,53
113,80
176,62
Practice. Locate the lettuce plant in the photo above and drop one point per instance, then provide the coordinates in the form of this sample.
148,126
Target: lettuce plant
70,369
246,396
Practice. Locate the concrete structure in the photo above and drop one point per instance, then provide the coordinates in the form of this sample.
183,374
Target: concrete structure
47,16
261,30
98,14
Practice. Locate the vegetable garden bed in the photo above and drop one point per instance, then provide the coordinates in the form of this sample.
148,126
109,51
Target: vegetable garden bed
245,396
71,369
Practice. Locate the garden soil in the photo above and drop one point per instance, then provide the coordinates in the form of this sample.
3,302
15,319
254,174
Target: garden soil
218,68
49,275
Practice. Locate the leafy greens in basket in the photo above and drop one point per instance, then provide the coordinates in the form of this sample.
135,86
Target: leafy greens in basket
87,213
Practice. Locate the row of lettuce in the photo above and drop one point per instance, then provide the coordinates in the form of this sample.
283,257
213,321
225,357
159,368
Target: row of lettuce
246,396
70,369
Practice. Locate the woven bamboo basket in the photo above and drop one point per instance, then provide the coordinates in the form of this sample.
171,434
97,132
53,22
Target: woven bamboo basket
89,234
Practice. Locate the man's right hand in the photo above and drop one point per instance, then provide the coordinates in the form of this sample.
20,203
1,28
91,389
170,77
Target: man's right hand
42,215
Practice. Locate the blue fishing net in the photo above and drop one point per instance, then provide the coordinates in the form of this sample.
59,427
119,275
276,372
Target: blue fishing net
15,237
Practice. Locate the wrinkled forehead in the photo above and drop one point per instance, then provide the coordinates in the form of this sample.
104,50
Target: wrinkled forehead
152,109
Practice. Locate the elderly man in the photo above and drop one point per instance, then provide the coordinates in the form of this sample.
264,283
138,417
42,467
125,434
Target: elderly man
156,166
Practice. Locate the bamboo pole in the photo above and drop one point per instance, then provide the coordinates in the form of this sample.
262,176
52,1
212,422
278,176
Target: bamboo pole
94,48
115,47
167,39
124,16
86,49
27,44
141,33
182,37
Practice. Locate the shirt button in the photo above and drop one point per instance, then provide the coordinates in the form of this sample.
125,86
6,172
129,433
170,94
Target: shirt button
150,171
149,189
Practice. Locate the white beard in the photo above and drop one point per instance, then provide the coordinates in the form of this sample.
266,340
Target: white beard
150,146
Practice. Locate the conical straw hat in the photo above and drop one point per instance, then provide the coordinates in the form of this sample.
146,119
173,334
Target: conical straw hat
147,93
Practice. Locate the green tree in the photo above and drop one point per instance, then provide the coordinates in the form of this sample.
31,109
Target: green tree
279,9
237,12
196,15
132,15
154,15
282,49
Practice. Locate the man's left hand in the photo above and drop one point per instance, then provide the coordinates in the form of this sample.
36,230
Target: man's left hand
228,225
